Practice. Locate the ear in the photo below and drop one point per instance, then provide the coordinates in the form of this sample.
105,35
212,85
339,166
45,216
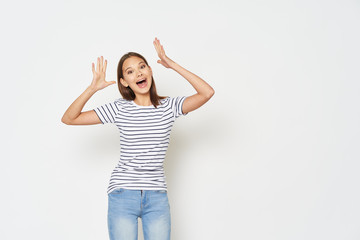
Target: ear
123,82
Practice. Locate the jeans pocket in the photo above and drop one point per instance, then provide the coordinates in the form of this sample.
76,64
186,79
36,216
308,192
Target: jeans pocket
160,191
117,191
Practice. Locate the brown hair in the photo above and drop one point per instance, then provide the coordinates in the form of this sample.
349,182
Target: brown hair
126,92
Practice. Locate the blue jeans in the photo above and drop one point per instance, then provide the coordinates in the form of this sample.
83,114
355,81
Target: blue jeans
125,206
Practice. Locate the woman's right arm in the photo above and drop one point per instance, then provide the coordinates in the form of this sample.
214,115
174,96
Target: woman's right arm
74,115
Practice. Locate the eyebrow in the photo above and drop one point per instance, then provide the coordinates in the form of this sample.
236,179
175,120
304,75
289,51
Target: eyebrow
130,67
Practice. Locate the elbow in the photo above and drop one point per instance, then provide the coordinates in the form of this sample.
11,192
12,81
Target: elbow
65,121
210,93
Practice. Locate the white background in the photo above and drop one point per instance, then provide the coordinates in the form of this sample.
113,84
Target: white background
273,155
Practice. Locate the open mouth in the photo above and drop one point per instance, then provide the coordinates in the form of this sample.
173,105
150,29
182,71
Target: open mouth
142,83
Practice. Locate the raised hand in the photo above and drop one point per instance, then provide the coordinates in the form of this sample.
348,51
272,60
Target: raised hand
164,60
99,74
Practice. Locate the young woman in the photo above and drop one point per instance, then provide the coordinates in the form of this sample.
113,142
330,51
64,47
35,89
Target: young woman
137,185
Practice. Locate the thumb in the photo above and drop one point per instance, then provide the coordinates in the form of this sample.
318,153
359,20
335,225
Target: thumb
159,61
111,82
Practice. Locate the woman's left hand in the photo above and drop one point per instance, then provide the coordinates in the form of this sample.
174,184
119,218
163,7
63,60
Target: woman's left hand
164,60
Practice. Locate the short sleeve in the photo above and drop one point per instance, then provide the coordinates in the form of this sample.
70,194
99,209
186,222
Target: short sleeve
177,104
108,111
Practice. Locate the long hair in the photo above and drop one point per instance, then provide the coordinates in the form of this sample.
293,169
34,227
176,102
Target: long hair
126,92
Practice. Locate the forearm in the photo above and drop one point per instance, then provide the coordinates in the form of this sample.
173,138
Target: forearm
202,87
76,107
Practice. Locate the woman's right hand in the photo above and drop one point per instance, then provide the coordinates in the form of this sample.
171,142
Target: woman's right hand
99,74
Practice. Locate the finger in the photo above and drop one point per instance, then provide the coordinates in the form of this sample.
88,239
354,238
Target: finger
101,63
158,43
161,62
158,50
159,47
156,46
105,65
110,83
98,64
93,67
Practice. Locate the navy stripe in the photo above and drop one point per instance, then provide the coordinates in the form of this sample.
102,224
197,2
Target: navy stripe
103,117
141,151
142,121
102,121
134,140
103,108
146,130
131,134
132,145
113,112
136,148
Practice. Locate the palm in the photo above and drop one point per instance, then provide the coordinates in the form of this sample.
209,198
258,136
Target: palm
99,74
164,60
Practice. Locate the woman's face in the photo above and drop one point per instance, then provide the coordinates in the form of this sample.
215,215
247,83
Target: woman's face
137,75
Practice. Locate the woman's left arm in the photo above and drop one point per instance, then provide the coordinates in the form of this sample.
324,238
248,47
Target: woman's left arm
203,89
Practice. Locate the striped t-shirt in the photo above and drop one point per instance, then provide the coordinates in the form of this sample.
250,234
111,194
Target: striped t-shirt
144,139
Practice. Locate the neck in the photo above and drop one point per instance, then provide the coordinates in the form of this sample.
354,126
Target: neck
143,100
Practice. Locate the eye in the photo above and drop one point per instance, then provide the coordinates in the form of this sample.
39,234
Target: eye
143,66
129,72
